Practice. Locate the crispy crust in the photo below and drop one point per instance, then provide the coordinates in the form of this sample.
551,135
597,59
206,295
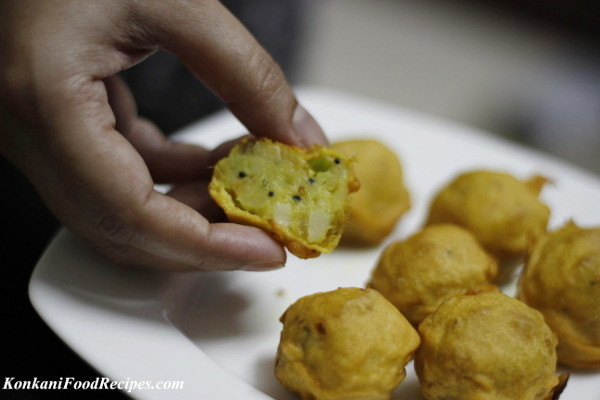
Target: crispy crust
383,198
505,214
438,262
557,390
487,345
348,343
559,280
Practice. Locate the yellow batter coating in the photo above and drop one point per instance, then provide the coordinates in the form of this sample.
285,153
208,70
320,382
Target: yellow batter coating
299,195
562,280
504,213
438,262
346,344
487,346
382,198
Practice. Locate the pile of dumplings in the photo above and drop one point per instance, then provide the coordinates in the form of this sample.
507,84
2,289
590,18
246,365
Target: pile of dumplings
433,296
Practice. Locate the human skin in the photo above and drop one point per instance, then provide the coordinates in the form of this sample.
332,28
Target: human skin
71,126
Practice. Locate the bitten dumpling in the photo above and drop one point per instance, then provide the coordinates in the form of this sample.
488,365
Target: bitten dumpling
504,213
299,195
562,280
383,197
348,343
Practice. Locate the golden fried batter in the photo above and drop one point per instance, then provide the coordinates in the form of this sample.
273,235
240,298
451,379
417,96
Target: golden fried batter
486,346
562,280
440,261
382,198
346,344
299,195
503,212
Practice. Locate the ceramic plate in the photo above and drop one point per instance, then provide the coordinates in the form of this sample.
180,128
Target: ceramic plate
218,331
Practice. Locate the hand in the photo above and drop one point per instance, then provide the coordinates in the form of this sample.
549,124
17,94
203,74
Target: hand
71,126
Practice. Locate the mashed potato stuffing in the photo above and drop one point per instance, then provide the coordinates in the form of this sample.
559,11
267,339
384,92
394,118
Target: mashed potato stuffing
299,195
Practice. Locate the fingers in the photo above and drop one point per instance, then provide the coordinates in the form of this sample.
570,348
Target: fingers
167,234
173,162
225,56
195,195
99,186
90,175
122,103
167,161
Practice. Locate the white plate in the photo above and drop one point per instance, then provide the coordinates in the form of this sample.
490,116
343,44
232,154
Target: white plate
218,331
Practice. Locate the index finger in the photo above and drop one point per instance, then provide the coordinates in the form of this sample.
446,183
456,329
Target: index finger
227,58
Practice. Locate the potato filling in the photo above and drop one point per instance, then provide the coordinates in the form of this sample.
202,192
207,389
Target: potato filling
305,196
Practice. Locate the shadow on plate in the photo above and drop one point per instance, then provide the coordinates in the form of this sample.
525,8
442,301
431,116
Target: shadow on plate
266,382
208,309
408,390
79,272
